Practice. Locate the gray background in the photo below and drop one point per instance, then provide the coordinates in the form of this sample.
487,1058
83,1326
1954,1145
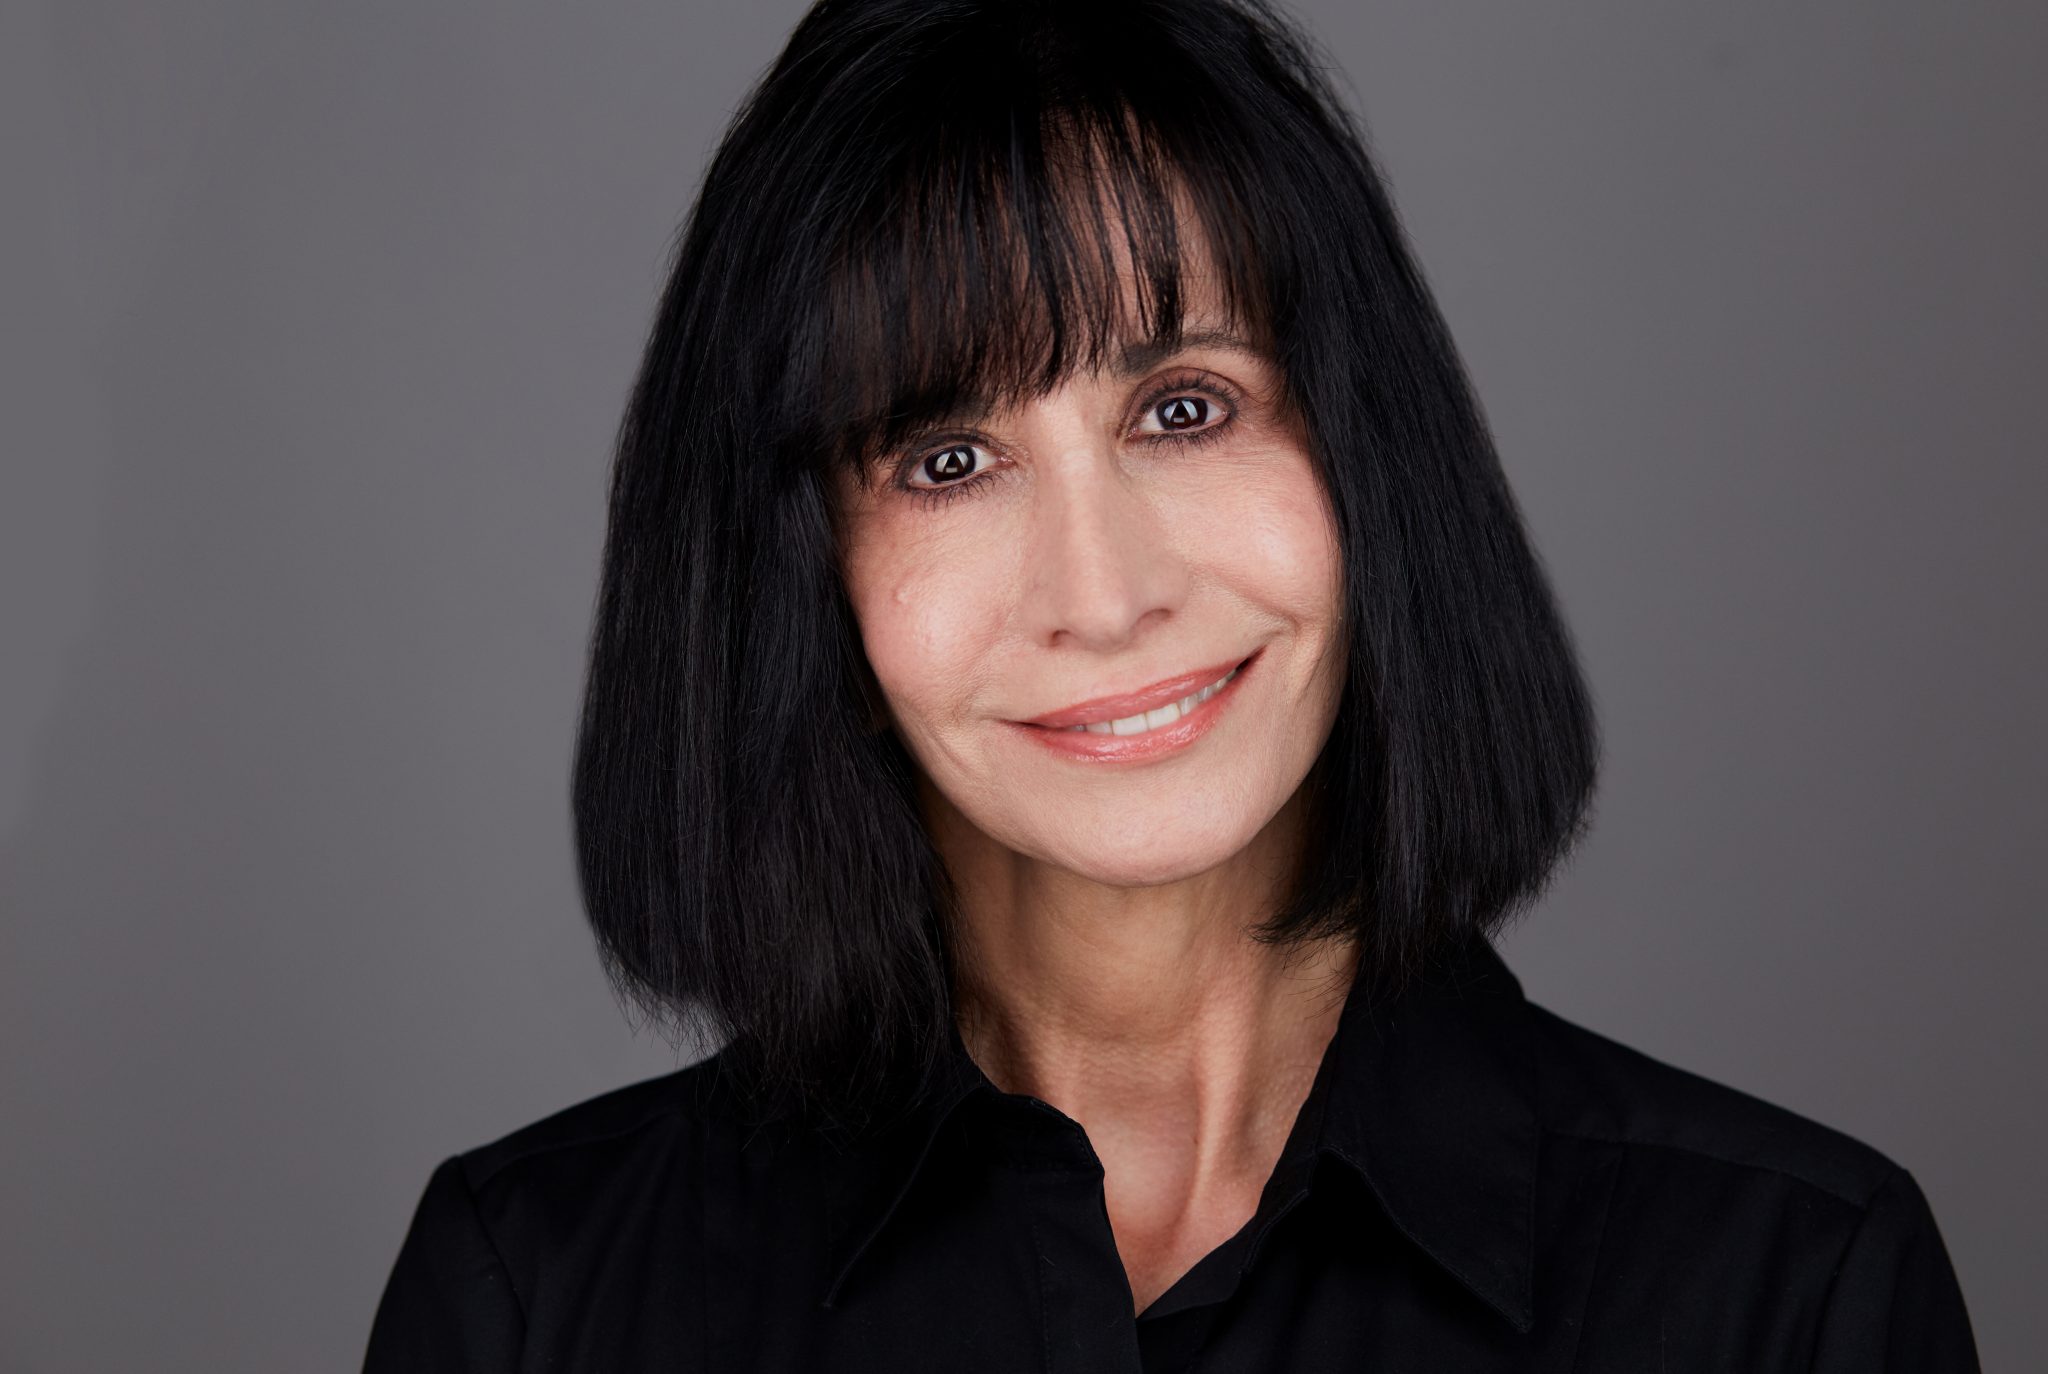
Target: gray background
318,320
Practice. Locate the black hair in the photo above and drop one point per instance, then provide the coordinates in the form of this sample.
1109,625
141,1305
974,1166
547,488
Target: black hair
923,201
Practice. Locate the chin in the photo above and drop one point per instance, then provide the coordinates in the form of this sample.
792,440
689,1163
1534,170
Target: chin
1161,846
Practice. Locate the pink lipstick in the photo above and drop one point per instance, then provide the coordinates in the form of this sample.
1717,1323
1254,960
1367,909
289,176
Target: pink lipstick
1156,720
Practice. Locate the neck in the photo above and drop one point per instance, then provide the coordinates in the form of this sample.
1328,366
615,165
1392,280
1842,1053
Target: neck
1146,1014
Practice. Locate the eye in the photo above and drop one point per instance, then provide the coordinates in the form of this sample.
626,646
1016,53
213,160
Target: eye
1182,412
944,466
1176,411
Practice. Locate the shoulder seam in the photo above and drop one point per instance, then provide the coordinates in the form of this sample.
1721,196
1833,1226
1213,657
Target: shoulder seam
1849,1248
1860,1204
484,1229
477,1177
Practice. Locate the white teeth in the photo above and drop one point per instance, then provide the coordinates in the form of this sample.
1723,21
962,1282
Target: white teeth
1163,715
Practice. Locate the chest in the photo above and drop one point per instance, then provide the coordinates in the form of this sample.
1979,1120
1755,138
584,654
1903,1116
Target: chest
1017,1271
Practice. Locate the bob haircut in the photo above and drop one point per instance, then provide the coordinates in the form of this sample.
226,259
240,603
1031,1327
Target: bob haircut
923,203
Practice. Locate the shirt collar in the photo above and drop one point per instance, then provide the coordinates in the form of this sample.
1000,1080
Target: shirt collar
1428,1096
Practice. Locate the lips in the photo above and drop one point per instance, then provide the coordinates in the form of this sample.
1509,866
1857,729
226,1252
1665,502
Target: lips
1123,704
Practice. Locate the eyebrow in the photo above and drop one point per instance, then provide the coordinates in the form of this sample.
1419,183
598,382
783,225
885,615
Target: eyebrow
1144,355
1133,359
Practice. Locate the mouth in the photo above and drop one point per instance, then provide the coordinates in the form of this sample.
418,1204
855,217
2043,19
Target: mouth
1163,717
1127,713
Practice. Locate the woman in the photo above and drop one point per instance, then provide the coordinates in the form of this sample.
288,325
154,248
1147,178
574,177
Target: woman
1071,703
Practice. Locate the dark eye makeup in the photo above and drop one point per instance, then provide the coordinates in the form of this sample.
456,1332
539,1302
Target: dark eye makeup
1189,408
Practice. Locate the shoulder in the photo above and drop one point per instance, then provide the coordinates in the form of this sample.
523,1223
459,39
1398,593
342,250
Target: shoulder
1703,1190
548,1201
654,1108
1598,1089
516,1242
628,1157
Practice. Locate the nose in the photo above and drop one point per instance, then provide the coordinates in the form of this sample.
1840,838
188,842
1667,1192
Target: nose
1101,565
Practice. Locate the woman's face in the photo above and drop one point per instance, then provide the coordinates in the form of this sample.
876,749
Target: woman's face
1157,523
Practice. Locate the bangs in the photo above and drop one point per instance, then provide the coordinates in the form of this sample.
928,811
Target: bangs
990,247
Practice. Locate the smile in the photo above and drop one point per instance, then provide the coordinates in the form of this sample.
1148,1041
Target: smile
1134,736
1160,716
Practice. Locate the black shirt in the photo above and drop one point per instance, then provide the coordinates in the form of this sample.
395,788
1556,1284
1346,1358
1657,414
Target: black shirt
1473,1183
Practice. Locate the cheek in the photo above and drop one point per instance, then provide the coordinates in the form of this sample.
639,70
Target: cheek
1272,539
925,626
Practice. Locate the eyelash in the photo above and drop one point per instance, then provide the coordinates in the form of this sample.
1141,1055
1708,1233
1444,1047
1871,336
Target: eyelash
1177,386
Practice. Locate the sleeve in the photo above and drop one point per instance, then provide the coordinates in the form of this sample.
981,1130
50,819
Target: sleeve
449,1304
1895,1306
